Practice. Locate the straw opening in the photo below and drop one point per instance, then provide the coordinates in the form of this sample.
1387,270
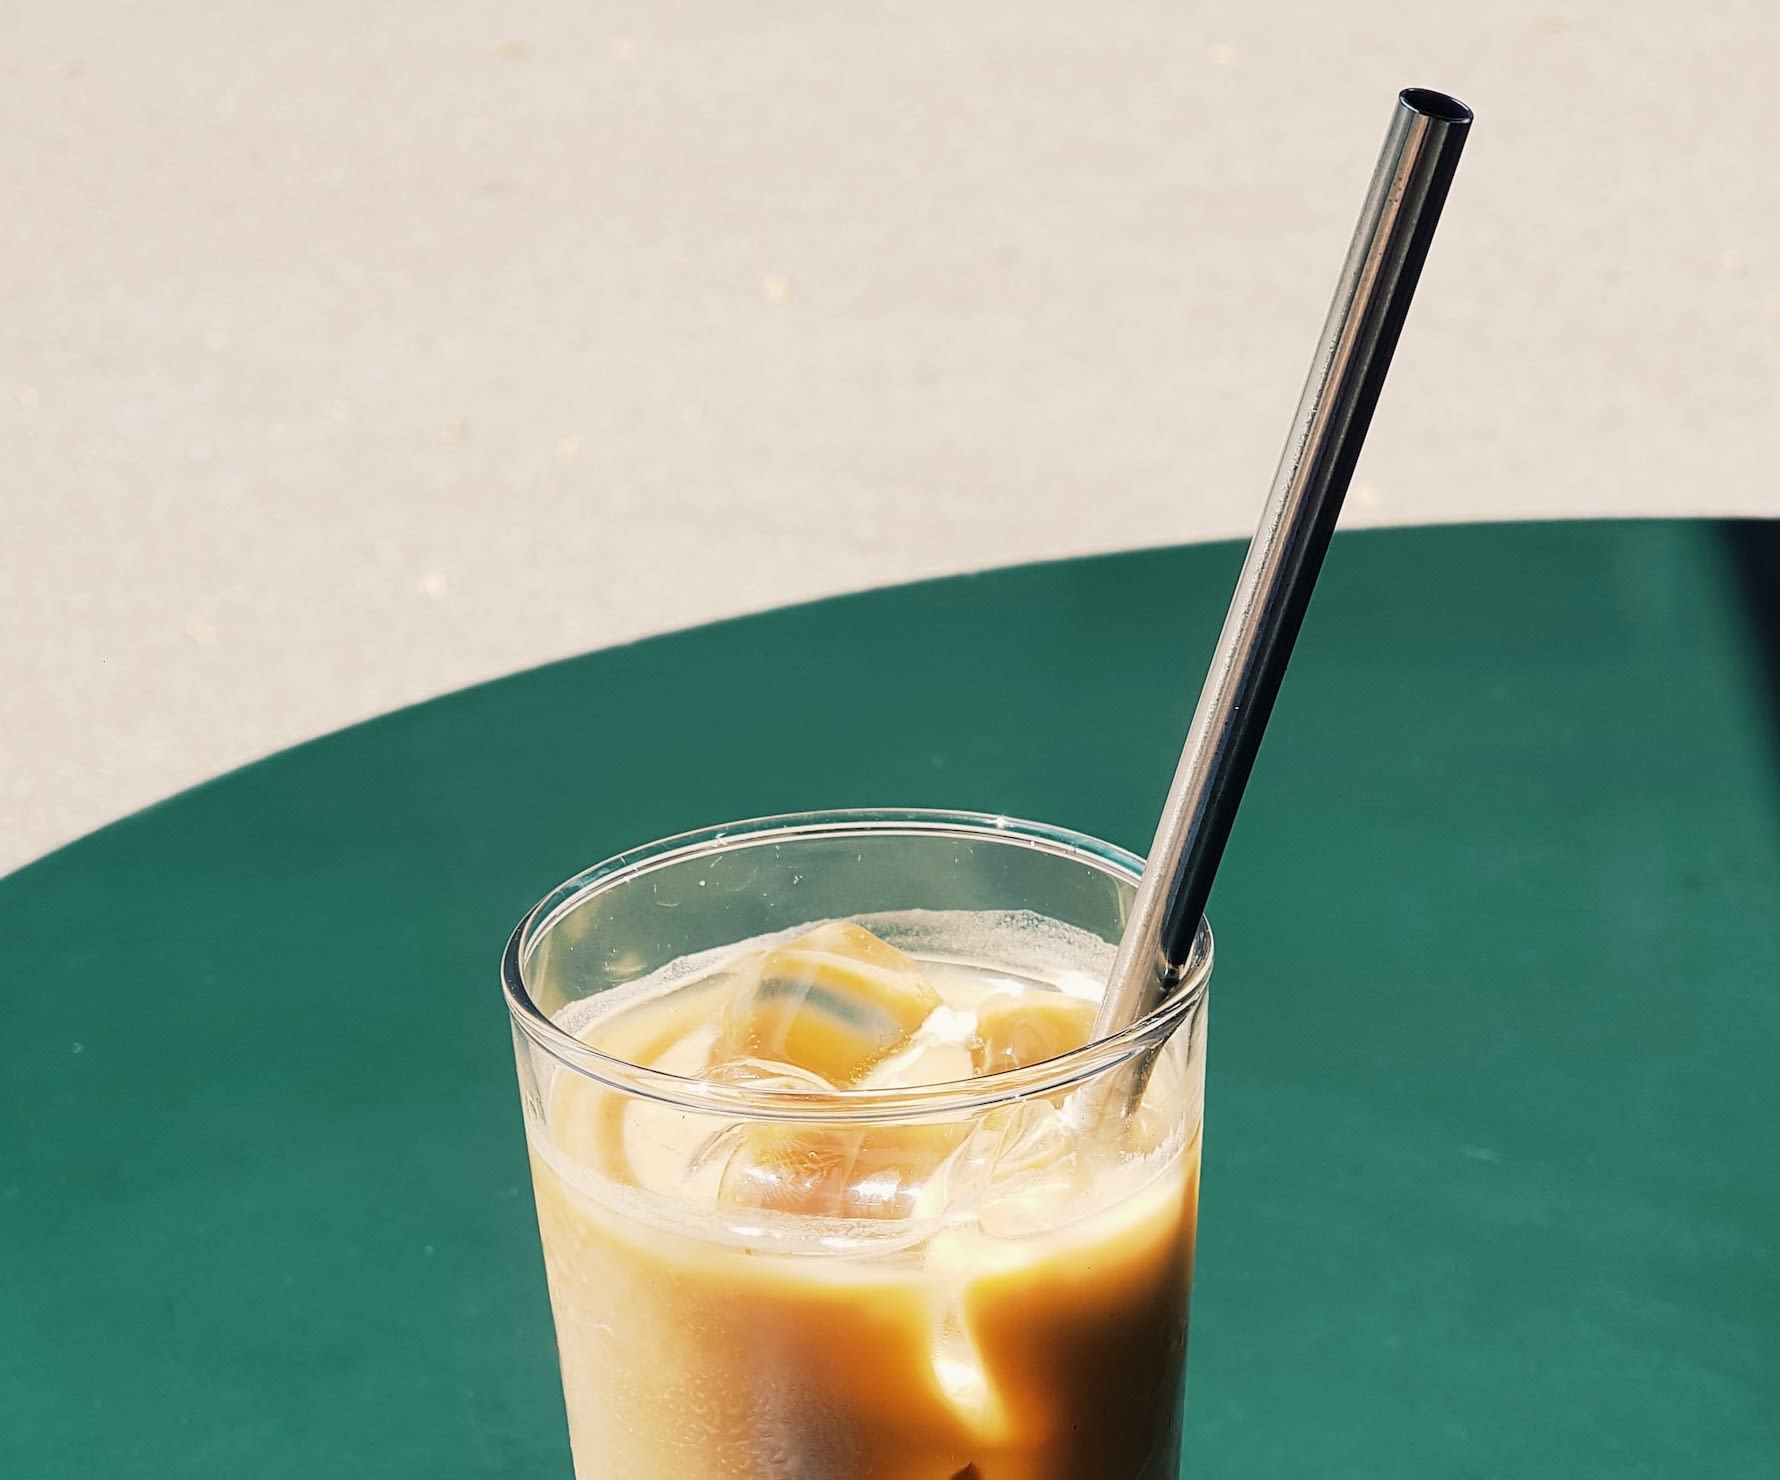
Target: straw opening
1437,105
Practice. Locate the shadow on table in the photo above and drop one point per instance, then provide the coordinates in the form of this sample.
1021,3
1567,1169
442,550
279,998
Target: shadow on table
1753,547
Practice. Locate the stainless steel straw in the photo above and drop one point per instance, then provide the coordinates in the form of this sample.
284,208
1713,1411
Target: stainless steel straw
1390,243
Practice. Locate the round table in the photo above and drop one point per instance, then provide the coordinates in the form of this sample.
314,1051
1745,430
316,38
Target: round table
1490,1175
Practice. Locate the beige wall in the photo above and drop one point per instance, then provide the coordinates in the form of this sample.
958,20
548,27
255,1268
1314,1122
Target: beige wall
349,354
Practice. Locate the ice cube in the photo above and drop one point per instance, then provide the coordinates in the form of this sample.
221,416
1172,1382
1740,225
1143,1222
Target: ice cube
933,1062
1014,1029
834,1002
768,1074
938,1052
833,1171
1019,1164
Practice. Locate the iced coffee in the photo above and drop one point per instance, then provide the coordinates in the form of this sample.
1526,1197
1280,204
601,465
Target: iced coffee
856,1197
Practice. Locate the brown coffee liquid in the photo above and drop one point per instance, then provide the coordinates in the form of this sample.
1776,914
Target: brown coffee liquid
999,1297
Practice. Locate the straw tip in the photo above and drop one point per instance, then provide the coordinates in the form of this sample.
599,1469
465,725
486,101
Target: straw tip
1437,105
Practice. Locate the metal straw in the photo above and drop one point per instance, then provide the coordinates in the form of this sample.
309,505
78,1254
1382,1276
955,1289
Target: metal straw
1390,243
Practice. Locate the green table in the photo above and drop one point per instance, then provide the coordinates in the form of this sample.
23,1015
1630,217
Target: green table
1491,1170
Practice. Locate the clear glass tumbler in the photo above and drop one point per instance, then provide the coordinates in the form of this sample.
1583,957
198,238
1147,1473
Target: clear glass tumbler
755,1274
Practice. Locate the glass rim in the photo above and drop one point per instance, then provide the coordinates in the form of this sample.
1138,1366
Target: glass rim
919,1102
